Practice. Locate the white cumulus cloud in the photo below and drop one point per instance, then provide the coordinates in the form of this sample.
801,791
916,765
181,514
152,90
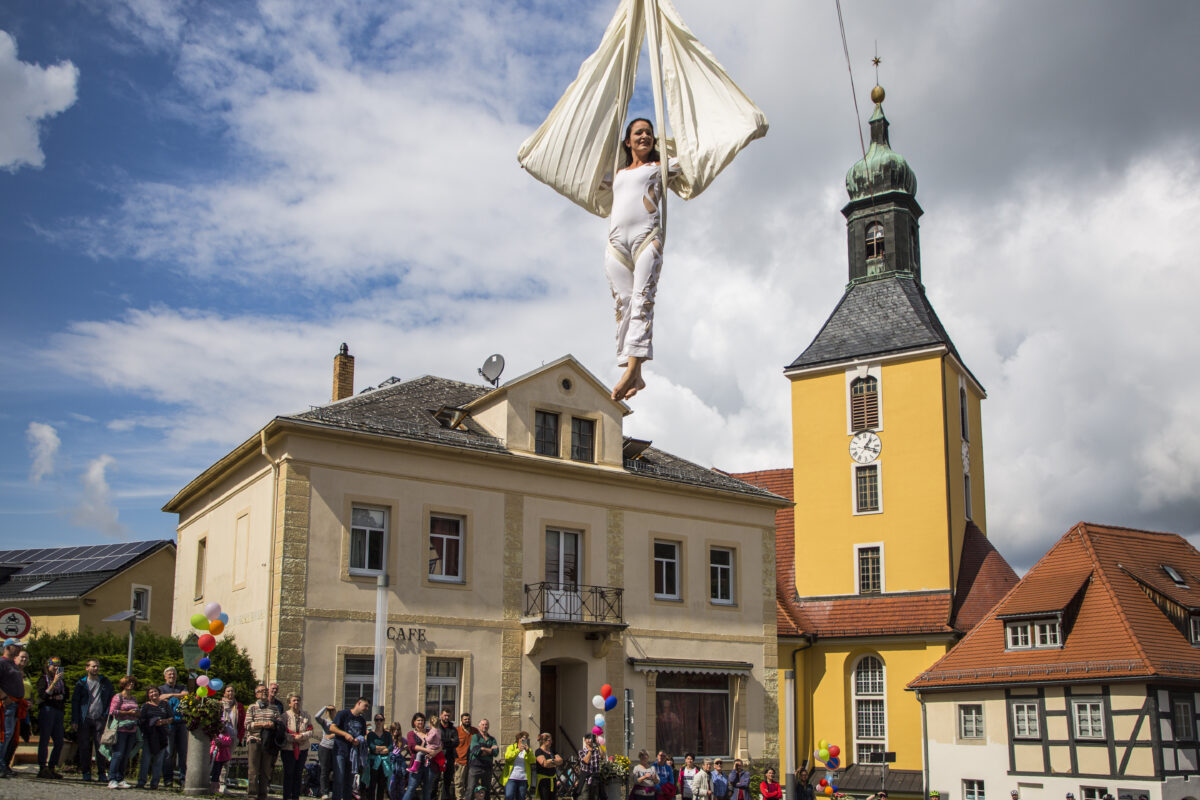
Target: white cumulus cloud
30,94
95,509
43,448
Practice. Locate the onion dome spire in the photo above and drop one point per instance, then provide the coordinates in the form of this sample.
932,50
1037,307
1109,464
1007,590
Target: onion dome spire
883,169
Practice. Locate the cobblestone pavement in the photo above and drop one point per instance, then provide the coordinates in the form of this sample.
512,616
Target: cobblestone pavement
27,787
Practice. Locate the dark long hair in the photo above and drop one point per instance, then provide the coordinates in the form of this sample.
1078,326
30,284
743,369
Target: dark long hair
628,152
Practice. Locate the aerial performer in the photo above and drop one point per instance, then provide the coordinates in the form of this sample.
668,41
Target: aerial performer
580,152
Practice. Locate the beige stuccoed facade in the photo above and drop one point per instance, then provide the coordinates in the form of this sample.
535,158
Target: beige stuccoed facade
545,583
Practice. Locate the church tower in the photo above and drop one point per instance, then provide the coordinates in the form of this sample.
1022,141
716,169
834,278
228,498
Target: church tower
890,562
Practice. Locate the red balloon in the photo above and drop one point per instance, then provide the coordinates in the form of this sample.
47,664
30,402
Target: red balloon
605,691
207,642
824,782
834,750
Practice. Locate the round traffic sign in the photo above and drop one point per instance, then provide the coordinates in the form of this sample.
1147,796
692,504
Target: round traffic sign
14,622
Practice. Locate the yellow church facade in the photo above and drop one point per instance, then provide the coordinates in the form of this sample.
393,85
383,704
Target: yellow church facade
884,562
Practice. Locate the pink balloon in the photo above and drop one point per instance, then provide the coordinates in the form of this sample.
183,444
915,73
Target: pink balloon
597,730
600,740
202,680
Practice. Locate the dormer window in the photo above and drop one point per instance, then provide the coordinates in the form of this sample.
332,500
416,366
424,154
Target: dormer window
875,240
1174,575
546,434
1033,634
1195,630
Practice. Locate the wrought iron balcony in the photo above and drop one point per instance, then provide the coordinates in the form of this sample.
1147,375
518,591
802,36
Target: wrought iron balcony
561,602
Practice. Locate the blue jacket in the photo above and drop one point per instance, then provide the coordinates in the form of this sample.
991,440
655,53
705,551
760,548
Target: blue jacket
79,698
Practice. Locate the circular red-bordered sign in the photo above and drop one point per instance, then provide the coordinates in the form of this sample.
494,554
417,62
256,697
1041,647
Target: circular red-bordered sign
14,623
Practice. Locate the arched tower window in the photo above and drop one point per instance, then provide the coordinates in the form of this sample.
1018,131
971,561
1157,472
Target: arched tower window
875,240
864,403
870,708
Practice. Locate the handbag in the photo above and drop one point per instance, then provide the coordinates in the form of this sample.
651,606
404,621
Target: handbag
109,737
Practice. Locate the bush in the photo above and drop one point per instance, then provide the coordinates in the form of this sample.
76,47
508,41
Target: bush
152,653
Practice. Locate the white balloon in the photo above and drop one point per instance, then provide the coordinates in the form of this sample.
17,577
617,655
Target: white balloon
598,702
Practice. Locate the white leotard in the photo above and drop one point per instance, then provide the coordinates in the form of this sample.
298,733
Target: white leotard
636,219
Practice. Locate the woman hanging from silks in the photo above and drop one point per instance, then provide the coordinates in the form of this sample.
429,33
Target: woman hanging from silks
634,256
577,151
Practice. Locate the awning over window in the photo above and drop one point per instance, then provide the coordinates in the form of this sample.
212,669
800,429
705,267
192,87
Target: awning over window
689,666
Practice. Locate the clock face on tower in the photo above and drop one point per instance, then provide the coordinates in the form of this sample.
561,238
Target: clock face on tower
865,447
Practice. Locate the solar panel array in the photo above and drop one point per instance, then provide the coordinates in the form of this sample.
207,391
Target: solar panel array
85,558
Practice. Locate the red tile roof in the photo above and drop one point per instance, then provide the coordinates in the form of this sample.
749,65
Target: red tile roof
1117,630
984,577
1047,595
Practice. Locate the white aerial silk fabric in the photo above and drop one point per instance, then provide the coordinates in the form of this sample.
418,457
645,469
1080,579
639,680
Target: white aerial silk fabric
710,117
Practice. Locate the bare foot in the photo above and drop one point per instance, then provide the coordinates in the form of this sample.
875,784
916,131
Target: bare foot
631,382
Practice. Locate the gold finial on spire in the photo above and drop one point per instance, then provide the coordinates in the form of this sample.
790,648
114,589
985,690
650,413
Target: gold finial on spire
877,94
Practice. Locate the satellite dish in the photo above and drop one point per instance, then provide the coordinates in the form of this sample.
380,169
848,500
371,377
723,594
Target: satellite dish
492,368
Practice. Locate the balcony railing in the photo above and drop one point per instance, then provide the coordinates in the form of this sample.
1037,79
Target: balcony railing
562,602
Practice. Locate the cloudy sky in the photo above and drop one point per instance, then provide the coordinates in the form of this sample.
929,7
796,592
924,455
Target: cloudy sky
199,201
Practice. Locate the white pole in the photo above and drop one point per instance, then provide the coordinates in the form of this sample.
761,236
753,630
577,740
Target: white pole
381,604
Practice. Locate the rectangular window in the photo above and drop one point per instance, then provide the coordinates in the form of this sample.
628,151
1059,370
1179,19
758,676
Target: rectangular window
866,488
870,753
140,602
692,713
720,575
1025,721
241,545
1018,635
446,546
864,404
1048,634
368,531
870,572
973,790
546,434
1092,792
967,510
869,719
1195,630
1089,719
358,680
666,575
970,721
201,558
1184,717
583,439
442,682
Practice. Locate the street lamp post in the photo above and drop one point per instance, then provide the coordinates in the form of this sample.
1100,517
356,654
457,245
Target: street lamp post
121,616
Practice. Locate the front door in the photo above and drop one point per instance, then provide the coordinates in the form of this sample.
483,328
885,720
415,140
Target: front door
562,575
549,710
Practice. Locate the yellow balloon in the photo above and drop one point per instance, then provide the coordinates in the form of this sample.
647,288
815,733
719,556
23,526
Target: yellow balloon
823,745
215,627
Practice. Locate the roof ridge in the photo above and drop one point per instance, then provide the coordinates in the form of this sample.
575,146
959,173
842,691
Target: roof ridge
1098,569
1090,526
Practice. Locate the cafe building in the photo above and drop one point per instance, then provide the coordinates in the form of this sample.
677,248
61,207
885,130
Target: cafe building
505,550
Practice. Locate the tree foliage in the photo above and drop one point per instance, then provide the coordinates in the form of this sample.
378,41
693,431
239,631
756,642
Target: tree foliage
152,653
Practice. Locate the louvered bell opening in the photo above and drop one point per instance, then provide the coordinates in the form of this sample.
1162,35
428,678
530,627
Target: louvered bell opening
864,404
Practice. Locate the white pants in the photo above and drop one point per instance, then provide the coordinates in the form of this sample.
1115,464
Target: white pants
633,292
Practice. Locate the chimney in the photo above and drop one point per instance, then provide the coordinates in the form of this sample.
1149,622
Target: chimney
343,374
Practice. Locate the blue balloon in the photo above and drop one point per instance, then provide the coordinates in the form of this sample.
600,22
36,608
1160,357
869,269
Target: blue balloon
216,684
204,663
610,703
224,618
835,789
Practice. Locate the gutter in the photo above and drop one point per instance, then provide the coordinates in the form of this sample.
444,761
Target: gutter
801,752
262,438
924,744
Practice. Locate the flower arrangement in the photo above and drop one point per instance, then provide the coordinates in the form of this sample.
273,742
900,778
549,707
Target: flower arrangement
615,769
202,713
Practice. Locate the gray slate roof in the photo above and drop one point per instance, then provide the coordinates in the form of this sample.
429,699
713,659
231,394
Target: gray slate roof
406,410
875,318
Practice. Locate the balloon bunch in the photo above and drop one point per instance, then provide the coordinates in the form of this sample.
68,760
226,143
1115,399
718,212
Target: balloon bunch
828,754
605,701
212,622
